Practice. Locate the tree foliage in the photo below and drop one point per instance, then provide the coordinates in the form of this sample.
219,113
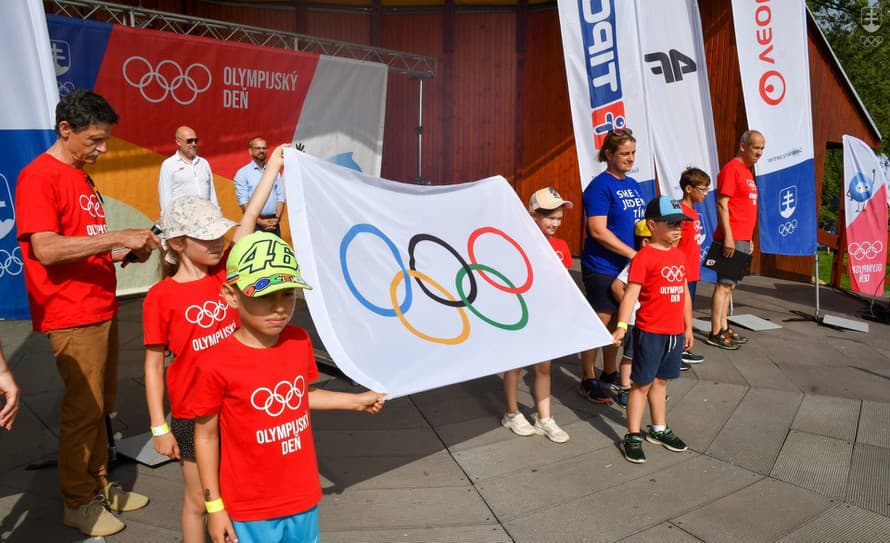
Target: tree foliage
864,53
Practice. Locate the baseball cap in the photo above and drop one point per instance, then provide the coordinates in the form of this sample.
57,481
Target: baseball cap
641,230
665,208
547,198
194,217
262,263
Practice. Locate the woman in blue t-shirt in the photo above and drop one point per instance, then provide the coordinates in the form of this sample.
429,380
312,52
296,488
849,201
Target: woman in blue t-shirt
612,205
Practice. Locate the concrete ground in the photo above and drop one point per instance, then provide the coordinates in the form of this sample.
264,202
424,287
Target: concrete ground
789,441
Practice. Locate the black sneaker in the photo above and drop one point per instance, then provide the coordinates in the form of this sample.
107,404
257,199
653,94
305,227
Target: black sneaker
684,366
633,448
691,358
590,389
621,395
734,336
720,340
609,378
667,438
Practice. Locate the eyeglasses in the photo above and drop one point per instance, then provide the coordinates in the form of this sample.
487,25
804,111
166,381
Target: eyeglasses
259,148
190,140
704,188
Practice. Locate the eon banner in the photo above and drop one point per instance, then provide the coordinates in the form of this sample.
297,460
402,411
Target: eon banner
865,190
601,48
771,38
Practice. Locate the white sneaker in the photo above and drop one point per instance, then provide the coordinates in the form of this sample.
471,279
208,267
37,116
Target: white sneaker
518,424
549,428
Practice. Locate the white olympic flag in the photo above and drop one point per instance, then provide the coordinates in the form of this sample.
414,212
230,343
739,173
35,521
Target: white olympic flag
416,287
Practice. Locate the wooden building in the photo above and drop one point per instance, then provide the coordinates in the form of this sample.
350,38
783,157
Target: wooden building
499,104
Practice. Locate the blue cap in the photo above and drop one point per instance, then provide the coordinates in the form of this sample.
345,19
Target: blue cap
665,208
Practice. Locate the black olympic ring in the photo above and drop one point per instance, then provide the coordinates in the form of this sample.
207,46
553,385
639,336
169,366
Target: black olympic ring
470,298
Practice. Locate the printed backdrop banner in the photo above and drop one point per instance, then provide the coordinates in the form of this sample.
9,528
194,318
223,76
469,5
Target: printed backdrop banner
416,287
29,99
227,92
771,38
865,188
679,99
601,48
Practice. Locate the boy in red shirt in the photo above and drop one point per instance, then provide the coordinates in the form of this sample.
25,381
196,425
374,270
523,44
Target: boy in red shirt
252,395
695,184
663,328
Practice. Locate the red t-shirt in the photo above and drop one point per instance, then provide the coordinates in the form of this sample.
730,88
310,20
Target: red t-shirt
187,318
735,180
52,196
662,275
562,250
267,466
690,243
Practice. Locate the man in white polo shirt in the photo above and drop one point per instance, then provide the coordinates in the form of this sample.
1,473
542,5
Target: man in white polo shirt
185,173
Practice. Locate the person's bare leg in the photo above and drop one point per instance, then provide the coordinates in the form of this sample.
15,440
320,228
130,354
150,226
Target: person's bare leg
542,389
511,383
719,307
610,352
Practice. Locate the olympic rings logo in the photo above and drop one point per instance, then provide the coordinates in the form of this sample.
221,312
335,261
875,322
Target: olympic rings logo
204,316
462,298
866,250
871,41
92,205
168,80
11,262
788,228
285,395
65,88
674,274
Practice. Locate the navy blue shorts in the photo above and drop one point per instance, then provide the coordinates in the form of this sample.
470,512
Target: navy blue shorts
629,342
598,288
655,355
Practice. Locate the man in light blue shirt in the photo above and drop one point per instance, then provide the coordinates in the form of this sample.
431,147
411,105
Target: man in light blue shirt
246,180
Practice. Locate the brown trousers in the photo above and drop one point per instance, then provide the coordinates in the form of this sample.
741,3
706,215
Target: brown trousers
87,359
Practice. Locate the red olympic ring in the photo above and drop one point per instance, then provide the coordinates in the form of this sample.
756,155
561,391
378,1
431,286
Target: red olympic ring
471,242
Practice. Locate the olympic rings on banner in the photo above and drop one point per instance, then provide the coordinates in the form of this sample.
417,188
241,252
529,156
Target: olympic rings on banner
865,250
179,77
11,262
464,320
786,229
464,298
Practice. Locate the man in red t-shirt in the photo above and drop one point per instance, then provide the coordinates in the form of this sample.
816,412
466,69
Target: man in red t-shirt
736,218
68,253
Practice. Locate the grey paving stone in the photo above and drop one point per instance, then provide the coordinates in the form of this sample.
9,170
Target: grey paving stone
532,488
369,472
874,424
767,515
662,532
484,533
700,415
472,433
27,518
360,510
390,417
844,382
828,416
469,400
409,441
818,463
15,336
719,365
869,484
28,440
138,532
759,370
640,504
754,434
843,524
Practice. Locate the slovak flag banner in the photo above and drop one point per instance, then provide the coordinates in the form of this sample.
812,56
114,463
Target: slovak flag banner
602,55
865,201
417,287
771,38
29,97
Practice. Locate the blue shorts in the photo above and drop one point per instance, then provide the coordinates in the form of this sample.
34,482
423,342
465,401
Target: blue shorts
299,528
692,285
655,355
598,288
629,342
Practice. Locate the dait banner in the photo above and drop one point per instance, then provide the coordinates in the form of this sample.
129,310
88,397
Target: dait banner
416,287
865,190
26,129
771,38
601,48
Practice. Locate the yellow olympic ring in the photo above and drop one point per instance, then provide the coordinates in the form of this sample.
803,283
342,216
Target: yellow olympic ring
393,296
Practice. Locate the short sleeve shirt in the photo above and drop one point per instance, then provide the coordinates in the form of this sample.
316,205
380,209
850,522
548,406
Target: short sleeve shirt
187,318
620,201
736,181
662,276
268,467
561,248
690,242
52,196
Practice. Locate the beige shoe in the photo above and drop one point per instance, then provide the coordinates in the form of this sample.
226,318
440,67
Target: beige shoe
120,500
93,519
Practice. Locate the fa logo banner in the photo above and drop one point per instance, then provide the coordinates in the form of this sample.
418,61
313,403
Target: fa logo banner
672,64
61,56
788,201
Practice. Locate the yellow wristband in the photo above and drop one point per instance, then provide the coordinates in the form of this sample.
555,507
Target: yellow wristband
160,430
622,325
215,506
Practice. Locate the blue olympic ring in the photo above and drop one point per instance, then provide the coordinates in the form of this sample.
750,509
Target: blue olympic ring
344,245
